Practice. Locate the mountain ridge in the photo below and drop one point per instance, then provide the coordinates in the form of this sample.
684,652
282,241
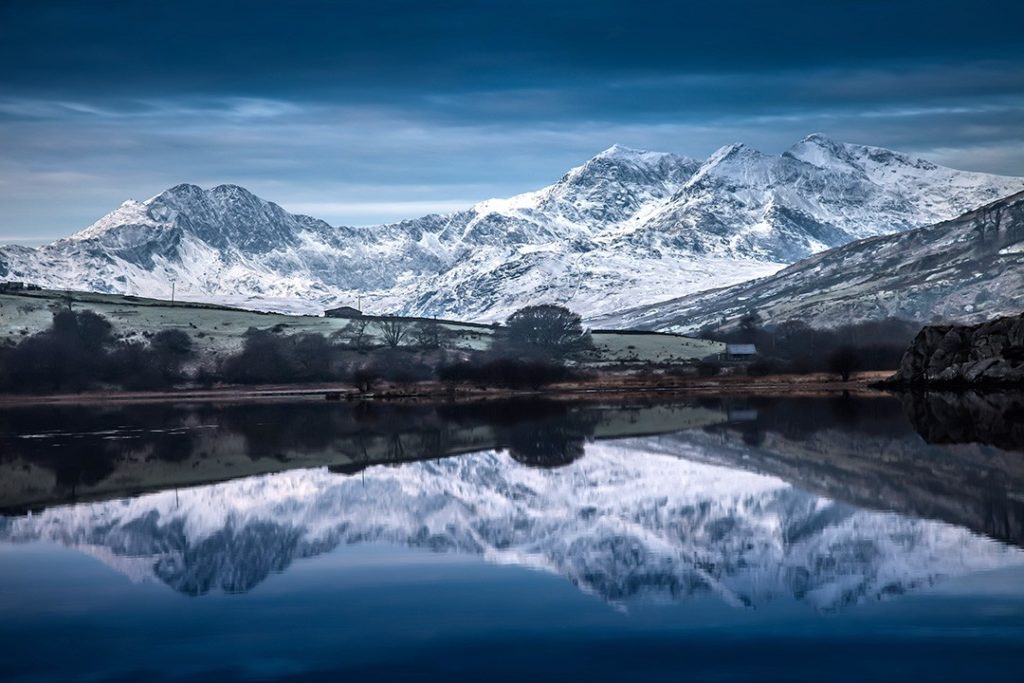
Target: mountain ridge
626,227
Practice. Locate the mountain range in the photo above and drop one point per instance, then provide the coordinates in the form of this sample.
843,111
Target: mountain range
627,228
624,523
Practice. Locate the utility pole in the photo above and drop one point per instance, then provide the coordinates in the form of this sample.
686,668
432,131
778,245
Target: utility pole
173,283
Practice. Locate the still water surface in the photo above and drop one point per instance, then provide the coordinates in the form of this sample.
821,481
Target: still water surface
815,539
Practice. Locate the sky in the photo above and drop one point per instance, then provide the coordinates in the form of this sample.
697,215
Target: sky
364,112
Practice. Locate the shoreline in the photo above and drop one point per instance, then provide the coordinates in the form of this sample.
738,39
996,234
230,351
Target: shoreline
608,387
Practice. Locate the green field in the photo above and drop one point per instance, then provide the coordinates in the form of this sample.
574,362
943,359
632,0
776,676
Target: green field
217,331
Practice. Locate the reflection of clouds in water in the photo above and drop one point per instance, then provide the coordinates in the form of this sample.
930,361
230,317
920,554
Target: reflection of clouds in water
622,523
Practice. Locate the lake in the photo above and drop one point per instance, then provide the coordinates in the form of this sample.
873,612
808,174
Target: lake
730,538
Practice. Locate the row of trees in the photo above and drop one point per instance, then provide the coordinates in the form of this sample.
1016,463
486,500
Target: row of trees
395,333
80,351
544,330
528,352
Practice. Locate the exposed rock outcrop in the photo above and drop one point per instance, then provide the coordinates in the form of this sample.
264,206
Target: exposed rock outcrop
991,353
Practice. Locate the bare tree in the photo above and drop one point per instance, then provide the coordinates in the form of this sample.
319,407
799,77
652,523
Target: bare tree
356,332
844,361
430,335
365,377
394,331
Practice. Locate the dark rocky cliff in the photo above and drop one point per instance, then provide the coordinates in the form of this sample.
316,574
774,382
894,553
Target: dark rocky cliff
989,353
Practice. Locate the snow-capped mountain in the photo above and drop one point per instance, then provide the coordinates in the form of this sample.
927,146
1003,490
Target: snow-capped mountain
818,194
622,522
626,228
969,269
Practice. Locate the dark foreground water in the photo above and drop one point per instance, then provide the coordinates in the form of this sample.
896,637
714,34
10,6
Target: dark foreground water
836,539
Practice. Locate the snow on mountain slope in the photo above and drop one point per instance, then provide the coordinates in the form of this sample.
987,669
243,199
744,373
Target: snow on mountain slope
625,228
818,194
967,270
622,523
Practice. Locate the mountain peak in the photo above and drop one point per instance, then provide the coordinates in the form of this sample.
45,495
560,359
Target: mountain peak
230,190
820,139
179,191
823,142
621,151
736,150
735,160
130,212
626,166
824,152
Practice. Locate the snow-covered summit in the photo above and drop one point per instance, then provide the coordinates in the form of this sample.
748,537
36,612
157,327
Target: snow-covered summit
627,227
225,217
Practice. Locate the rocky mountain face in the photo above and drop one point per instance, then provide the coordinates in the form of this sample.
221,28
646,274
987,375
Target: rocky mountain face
968,269
989,353
623,523
625,228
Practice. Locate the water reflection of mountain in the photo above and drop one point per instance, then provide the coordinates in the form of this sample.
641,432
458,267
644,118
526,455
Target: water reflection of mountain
622,523
864,452
680,507
51,455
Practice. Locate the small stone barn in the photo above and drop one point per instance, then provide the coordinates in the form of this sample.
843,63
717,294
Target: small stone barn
343,312
740,351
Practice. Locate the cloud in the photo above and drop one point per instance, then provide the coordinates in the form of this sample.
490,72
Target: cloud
358,112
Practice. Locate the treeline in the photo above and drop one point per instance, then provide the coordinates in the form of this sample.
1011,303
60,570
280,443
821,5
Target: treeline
794,346
80,351
527,353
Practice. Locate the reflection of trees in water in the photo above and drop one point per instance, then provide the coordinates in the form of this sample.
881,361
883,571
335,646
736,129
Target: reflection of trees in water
800,418
551,442
94,441
82,446
537,433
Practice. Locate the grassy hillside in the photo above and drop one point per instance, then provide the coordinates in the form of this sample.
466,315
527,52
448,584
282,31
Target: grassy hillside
218,331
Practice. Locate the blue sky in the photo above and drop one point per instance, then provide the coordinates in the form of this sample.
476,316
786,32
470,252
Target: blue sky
360,112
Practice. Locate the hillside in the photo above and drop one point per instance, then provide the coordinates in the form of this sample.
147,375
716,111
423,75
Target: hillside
969,269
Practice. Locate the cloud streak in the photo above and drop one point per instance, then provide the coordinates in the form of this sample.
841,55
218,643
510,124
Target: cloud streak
360,113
